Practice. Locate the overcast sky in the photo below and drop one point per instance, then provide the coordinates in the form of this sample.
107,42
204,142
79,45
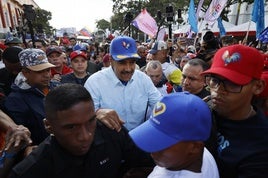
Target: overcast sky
77,13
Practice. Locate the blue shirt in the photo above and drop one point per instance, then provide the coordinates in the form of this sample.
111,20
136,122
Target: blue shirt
129,101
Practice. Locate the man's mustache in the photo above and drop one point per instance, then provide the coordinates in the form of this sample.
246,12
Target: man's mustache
127,72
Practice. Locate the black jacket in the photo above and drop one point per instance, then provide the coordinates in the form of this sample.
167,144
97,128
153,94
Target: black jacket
110,155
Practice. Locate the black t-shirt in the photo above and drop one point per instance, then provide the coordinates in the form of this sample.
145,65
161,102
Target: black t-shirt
242,147
110,155
71,78
203,93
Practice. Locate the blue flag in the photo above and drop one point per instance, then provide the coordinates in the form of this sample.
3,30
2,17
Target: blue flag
258,16
192,17
263,37
221,27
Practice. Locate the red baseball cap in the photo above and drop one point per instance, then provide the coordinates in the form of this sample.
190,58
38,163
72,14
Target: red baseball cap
76,53
237,63
266,61
2,46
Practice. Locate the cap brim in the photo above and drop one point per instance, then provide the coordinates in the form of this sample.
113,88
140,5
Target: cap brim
128,56
231,75
152,51
53,52
40,67
80,56
148,138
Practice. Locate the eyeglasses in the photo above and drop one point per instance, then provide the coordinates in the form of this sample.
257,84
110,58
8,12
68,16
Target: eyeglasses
214,82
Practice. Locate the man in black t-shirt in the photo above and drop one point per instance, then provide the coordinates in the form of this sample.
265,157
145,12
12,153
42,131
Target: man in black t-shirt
242,129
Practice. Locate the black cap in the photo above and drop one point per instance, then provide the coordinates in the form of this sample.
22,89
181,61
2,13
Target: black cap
210,40
10,54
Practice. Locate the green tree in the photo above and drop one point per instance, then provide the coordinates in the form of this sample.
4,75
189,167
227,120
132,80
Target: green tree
121,7
102,24
41,22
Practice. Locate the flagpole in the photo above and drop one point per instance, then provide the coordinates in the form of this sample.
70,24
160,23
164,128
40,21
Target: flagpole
160,25
125,31
196,36
246,37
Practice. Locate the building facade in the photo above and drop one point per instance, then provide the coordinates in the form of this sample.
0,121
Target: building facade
11,12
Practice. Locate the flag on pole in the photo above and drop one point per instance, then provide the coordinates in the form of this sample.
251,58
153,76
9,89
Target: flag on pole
145,23
263,37
214,11
85,32
161,34
199,8
221,27
258,16
192,17
189,34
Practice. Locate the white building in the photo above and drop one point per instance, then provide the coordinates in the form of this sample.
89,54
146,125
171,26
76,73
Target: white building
10,14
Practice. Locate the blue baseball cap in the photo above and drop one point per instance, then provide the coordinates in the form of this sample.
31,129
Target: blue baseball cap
176,117
158,46
13,40
123,47
79,47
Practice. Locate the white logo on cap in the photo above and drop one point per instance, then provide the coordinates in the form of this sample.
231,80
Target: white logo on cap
227,58
159,109
125,45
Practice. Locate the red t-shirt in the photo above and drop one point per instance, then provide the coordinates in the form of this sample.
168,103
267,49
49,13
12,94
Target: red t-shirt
65,70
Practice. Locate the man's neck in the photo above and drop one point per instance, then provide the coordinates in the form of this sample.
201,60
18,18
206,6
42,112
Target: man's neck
242,114
80,74
58,69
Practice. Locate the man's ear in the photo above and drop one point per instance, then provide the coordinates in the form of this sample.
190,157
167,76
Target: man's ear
47,126
25,72
258,87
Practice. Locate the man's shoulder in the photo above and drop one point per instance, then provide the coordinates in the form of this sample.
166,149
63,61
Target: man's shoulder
101,74
106,133
100,78
67,77
26,95
106,137
3,72
169,65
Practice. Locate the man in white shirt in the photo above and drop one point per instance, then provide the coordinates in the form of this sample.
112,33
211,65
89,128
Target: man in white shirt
123,88
154,71
159,52
175,134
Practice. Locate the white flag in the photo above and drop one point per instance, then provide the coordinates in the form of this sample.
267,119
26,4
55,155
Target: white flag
199,8
214,10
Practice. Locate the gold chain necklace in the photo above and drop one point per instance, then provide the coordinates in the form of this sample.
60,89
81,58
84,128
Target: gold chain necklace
250,112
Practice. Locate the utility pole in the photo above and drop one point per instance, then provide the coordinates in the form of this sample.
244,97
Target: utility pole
170,19
238,11
128,18
29,15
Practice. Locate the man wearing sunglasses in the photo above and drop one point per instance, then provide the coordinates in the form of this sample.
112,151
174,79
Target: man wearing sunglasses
242,129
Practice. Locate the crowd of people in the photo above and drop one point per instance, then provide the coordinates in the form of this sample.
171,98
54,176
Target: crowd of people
130,109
